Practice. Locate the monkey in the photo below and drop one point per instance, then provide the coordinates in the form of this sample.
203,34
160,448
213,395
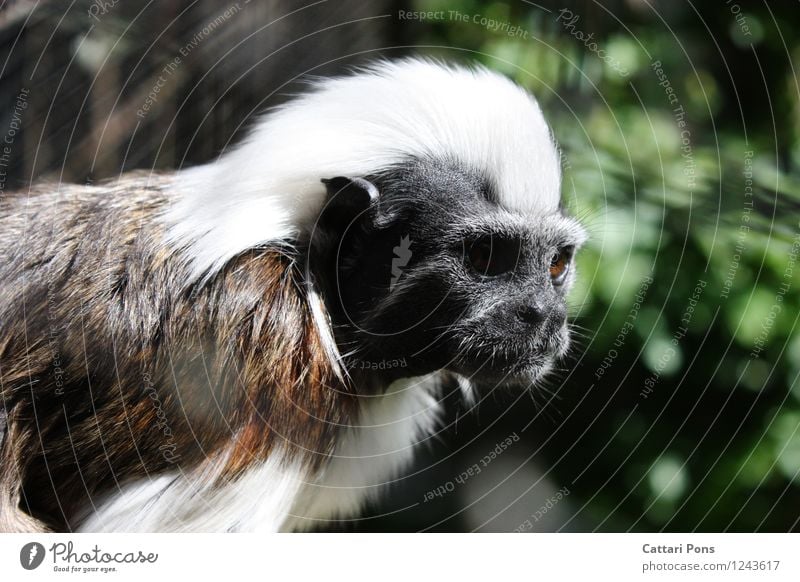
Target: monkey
258,343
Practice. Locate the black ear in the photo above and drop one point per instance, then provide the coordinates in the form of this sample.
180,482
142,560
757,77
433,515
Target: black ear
347,199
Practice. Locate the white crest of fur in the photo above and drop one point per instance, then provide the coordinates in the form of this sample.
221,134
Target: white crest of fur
268,188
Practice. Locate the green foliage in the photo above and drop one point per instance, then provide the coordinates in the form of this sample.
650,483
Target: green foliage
658,164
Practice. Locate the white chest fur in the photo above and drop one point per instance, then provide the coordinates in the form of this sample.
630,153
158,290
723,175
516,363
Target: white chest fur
281,496
370,454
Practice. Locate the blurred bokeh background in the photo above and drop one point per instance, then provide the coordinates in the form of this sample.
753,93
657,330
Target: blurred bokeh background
679,123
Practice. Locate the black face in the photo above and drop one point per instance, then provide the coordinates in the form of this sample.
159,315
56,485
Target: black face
423,270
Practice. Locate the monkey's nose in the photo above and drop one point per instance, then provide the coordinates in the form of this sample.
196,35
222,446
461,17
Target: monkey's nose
532,313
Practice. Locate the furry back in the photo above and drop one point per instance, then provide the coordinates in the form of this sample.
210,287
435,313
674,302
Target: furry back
114,370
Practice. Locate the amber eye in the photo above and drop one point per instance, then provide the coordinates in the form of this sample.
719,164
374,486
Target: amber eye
559,265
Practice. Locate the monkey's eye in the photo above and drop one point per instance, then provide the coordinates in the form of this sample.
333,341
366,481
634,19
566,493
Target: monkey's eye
559,265
491,257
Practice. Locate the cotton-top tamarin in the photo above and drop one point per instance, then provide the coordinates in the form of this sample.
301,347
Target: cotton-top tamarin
259,342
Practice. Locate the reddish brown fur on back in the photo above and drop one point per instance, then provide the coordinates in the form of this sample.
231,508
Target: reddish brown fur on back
115,369
280,349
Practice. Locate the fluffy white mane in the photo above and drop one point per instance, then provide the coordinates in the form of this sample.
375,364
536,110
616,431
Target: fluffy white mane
268,188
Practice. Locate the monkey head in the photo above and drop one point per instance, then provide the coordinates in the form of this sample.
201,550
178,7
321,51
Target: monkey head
423,266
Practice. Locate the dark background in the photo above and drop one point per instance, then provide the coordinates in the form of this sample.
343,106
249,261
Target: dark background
714,445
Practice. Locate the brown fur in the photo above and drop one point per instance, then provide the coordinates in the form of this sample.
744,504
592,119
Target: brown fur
112,368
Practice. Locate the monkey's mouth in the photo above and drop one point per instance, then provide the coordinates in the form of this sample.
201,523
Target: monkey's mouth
511,360
506,362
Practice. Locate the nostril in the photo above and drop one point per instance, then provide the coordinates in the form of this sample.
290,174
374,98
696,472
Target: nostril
531,314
